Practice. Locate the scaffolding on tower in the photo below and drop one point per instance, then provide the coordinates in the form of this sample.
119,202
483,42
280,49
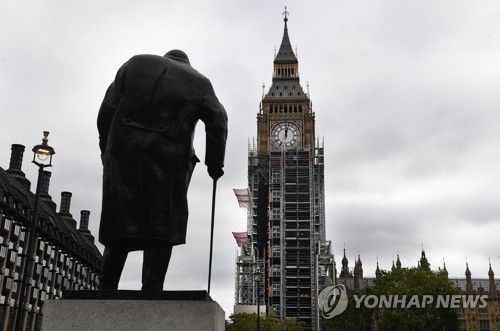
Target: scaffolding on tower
248,259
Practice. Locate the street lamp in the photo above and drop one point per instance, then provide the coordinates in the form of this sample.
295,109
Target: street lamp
43,153
42,157
257,277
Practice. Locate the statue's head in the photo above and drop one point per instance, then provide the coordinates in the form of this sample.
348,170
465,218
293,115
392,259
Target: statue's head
177,54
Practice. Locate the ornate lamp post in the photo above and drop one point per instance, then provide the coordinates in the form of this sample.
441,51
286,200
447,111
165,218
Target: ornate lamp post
257,277
42,157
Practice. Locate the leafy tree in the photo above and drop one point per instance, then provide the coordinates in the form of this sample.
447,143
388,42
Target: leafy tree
248,322
420,281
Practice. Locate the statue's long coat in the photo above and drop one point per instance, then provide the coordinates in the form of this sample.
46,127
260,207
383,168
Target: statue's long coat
146,127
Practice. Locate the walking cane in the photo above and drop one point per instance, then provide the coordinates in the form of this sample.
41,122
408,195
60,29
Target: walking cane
212,235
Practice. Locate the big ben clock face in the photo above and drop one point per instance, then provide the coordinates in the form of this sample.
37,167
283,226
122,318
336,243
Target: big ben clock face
285,134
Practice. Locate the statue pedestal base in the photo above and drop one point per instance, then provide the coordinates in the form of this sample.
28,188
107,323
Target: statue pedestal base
133,310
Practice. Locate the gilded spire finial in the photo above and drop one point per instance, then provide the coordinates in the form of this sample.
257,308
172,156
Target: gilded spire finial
285,14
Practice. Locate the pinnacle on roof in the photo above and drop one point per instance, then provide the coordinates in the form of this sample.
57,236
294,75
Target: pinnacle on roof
344,259
285,53
378,273
490,272
398,262
444,268
467,271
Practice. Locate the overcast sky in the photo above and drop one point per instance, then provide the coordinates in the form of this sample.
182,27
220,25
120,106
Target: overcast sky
406,96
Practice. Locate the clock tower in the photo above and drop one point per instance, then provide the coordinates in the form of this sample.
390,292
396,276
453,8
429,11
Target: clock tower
286,239
286,119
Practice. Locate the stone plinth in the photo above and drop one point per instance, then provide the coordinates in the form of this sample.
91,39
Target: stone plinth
132,310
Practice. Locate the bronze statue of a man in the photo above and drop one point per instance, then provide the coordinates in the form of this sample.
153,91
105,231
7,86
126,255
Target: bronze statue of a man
146,127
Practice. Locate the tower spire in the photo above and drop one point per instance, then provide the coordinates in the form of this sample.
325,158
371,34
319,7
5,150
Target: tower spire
378,273
468,278
493,286
285,52
444,268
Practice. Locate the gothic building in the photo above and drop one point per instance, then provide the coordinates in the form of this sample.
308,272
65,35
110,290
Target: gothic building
469,318
65,257
286,222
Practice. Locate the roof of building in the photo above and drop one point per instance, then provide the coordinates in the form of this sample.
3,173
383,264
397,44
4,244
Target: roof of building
285,52
288,90
477,283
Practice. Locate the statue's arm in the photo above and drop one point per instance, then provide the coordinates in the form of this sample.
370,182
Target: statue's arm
215,118
109,106
105,116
